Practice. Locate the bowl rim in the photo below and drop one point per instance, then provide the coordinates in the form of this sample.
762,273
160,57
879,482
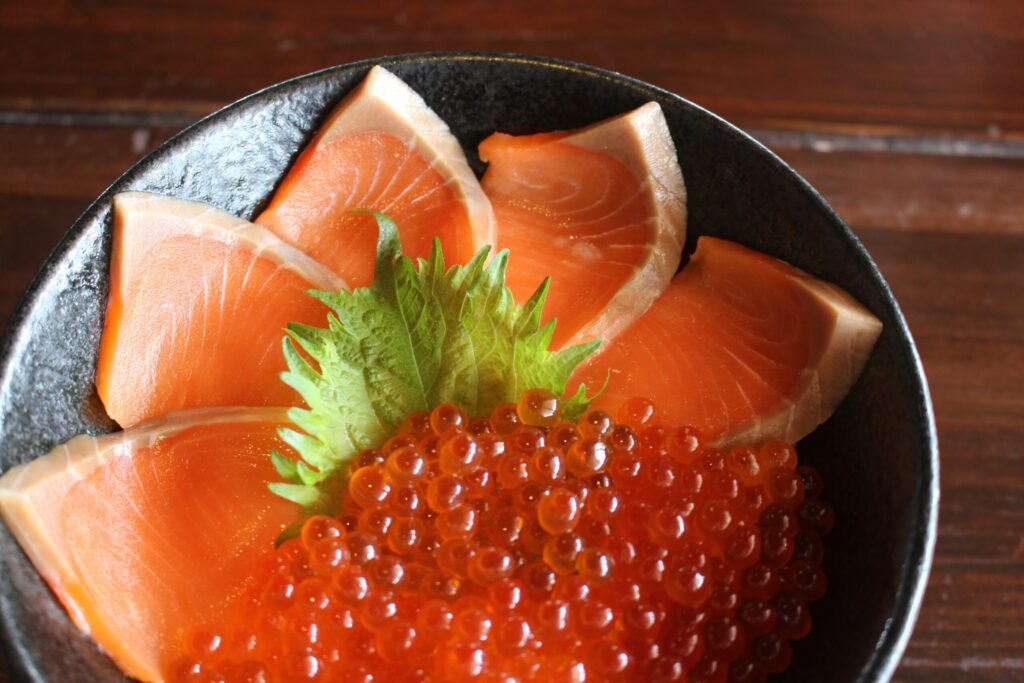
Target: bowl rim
912,578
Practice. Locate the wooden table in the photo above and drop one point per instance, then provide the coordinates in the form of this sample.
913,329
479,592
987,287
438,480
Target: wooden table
908,116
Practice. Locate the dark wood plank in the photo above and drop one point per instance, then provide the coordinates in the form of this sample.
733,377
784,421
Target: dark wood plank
962,194
49,176
29,229
71,161
961,296
954,64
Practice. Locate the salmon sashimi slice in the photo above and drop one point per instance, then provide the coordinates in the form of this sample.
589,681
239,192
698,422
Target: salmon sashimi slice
198,304
144,533
741,346
383,149
602,210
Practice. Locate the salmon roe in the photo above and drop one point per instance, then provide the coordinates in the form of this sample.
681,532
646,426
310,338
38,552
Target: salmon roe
524,547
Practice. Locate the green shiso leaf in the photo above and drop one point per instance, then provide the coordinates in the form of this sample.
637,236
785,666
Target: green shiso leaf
301,494
418,336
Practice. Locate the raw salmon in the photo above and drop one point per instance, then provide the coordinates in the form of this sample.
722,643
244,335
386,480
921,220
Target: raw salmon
742,346
144,533
198,304
602,210
384,149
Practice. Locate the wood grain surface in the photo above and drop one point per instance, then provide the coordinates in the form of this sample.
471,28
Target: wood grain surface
907,116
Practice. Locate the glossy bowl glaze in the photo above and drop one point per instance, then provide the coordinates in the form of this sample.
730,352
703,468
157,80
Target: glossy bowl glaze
877,454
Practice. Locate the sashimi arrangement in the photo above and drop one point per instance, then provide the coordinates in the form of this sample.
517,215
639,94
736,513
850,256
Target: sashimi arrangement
412,426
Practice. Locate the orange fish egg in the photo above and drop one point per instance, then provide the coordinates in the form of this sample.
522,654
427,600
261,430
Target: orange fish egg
612,555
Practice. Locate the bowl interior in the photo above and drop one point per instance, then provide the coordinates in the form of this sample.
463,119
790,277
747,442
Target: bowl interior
877,453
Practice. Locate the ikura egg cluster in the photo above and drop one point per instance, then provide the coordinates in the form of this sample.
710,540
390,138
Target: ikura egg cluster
523,547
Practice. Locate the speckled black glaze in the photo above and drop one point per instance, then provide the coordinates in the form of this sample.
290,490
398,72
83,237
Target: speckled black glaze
878,453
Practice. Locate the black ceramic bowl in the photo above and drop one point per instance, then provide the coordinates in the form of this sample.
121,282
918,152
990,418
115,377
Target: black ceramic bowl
877,454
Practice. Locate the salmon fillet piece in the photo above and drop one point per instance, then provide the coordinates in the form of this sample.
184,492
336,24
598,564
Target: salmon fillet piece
741,346
144,533
382,148
601,210
198,304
